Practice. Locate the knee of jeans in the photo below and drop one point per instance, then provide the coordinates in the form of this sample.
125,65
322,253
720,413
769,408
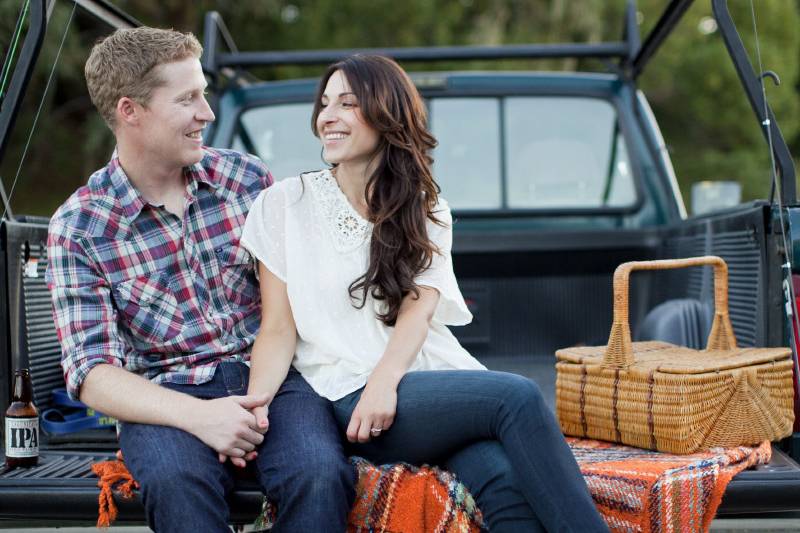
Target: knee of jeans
521,391
172,481
322,476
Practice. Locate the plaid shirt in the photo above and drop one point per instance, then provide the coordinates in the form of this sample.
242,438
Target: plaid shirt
137,287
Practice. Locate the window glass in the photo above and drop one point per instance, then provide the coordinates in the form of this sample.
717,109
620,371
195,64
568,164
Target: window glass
565,152
467,159
281,136
560,152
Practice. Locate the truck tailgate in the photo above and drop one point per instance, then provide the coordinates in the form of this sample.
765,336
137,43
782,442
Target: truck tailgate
767,488
62,487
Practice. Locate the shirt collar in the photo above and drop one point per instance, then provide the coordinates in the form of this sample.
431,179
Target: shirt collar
131,200
198,173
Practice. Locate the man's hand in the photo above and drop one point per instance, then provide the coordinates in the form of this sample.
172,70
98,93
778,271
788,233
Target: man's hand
229,426
262,425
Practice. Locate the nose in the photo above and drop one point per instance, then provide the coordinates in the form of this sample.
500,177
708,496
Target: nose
204,113
326,116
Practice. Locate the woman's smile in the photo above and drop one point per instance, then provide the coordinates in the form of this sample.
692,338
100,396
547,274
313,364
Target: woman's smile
346,137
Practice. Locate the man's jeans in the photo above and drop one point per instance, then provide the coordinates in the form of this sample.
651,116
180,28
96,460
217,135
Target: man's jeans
300,466
495,432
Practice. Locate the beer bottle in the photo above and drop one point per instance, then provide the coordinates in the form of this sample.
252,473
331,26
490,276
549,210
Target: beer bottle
22,424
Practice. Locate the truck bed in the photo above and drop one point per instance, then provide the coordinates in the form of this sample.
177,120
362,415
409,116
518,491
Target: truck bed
511,332
63,488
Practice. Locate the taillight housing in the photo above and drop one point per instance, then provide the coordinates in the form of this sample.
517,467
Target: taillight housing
796,284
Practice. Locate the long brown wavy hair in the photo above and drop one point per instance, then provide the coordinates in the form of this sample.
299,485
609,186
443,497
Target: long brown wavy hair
401,193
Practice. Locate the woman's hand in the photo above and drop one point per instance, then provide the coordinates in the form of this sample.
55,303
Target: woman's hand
376,408
374,412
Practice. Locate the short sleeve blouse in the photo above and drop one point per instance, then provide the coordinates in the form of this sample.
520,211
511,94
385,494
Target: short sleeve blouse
305,232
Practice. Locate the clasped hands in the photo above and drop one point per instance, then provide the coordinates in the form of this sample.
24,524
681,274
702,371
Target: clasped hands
234,426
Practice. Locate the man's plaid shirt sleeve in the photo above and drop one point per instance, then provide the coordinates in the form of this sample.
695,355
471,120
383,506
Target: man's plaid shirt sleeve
86,320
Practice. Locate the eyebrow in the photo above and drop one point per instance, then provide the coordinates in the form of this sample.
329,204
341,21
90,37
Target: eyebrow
340,94
184,94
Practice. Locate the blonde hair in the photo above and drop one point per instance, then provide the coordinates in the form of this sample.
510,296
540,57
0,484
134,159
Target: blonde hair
124,65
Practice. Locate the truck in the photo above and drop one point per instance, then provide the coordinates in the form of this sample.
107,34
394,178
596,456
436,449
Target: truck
554,179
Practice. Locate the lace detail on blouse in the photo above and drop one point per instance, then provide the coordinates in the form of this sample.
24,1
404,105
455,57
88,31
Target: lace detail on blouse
347,227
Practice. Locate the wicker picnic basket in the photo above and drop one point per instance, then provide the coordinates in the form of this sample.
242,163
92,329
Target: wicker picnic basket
669,398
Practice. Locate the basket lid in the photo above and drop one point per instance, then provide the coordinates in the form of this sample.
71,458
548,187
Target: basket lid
672,359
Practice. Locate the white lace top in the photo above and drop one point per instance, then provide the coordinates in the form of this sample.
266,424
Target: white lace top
305,231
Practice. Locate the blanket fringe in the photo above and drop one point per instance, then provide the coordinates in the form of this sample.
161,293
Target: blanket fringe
113,475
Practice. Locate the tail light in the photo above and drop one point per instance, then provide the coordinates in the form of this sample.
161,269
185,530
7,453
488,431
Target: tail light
796,284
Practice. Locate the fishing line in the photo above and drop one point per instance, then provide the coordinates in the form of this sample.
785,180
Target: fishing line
9,59
39,110
788,285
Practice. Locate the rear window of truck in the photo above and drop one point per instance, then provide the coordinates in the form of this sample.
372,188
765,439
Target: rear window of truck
494,153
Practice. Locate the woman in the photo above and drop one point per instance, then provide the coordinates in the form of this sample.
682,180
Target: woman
357,285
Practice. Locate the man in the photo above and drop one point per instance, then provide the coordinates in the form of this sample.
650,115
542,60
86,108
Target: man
157,305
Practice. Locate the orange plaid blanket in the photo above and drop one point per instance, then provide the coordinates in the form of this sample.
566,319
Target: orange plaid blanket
641,491
400,498
636,491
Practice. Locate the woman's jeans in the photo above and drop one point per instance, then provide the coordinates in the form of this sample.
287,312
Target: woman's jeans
301,465
495,432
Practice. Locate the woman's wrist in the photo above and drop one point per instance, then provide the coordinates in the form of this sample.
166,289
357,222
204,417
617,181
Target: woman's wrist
386,376
256,390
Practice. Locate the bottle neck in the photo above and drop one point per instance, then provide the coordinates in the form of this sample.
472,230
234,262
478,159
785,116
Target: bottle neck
23,389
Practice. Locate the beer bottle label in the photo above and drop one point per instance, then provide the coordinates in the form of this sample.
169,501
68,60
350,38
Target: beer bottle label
22,437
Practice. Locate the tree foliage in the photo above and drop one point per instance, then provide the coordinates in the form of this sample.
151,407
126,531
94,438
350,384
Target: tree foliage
699,103
691,83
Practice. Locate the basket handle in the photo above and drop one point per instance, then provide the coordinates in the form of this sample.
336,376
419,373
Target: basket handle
619,352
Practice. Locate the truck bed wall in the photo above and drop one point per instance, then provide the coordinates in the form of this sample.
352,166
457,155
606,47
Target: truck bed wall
558,292
530,295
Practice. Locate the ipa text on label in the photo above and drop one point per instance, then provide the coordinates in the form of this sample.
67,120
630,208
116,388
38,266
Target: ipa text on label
22,437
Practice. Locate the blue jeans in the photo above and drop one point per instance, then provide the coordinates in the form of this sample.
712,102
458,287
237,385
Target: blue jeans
301,465
495,432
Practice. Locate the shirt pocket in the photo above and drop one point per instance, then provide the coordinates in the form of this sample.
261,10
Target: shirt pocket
237,273
149,308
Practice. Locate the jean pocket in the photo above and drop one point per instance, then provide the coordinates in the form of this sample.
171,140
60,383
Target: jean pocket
237,274
235,377
149,308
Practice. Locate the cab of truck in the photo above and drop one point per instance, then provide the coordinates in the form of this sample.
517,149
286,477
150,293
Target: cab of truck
554,179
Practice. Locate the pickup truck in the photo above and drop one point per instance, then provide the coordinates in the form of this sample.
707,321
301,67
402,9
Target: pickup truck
554,180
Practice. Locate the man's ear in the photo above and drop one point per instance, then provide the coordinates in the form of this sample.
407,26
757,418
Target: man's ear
128,111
